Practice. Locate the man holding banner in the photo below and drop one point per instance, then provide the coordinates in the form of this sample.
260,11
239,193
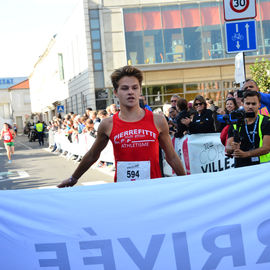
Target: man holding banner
254,133
135,133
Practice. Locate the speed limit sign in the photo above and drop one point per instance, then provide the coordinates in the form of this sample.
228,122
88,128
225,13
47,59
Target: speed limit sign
239,9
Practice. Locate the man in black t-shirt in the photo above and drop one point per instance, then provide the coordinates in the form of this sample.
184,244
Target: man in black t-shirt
254,146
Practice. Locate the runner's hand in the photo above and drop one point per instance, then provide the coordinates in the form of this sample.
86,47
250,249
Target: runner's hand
70,182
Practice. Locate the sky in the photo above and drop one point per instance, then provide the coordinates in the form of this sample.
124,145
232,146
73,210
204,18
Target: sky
26,27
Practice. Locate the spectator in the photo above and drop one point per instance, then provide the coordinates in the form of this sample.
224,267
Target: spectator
230,94
166,108
108,109
143,103
102,114
182,106
89,128
203,121
113,109
39,127
251,85
231,105
172,120
96,120
88,111
174,100
238,99
211,106
15,128
254,147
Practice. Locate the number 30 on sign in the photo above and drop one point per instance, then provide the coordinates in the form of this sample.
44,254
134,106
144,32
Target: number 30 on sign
239,9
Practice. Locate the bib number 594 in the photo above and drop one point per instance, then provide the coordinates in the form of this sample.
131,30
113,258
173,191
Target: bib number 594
132,174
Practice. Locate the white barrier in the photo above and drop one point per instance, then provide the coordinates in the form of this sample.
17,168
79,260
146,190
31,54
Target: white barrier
205,221
200,153
80,145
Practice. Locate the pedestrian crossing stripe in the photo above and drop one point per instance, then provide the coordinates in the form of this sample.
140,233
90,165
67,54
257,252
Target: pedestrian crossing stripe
13,175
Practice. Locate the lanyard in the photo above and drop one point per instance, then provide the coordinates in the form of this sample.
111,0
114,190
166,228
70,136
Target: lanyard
253,132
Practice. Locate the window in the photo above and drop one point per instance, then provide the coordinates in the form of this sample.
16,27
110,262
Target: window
96,45
61,66
94,23
95,34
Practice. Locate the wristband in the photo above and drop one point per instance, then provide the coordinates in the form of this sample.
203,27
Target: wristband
73,180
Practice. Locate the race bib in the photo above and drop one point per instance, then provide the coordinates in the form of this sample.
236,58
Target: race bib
6,137
133,170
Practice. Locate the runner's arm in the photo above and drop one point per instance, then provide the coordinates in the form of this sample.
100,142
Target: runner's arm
13,133
89,158
167,146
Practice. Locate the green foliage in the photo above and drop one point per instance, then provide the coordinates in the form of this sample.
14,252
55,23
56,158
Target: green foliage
261,74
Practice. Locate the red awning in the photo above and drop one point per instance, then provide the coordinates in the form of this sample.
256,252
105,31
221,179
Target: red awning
133,22
210,15
191,17
265,11
151,20
171,19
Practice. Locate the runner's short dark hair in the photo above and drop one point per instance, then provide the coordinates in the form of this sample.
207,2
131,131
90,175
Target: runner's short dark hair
129,71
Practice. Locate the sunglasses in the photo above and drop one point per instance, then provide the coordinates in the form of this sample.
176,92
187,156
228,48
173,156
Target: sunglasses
198,104
173,100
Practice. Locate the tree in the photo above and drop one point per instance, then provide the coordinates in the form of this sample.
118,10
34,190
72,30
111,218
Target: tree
260,72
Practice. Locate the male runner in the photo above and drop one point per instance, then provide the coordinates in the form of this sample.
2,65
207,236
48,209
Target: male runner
135,133
8,134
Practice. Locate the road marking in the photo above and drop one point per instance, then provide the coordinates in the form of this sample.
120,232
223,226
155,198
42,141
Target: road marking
13,175
26,146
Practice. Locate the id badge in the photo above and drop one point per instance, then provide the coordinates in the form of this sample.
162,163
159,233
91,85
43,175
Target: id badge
133,170
255,159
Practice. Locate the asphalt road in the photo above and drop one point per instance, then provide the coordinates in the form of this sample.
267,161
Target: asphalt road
34,166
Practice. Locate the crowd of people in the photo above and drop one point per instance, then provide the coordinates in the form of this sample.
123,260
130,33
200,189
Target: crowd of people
73,124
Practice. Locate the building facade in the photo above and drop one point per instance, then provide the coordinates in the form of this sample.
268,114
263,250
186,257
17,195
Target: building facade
179,45
20,104
15,103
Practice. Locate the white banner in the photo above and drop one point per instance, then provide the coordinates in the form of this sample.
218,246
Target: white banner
203,221
200,153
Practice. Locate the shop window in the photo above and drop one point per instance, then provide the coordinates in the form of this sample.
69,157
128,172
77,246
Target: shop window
266,35
174,45
135,50
193,43
153,47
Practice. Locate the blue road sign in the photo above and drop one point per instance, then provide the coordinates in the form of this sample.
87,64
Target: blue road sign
241,36
60,108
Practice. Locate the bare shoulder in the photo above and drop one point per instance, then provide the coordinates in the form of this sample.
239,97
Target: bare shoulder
105,126
160,122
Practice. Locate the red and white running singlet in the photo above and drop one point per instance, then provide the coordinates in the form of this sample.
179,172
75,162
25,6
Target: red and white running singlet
136,148
7,136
